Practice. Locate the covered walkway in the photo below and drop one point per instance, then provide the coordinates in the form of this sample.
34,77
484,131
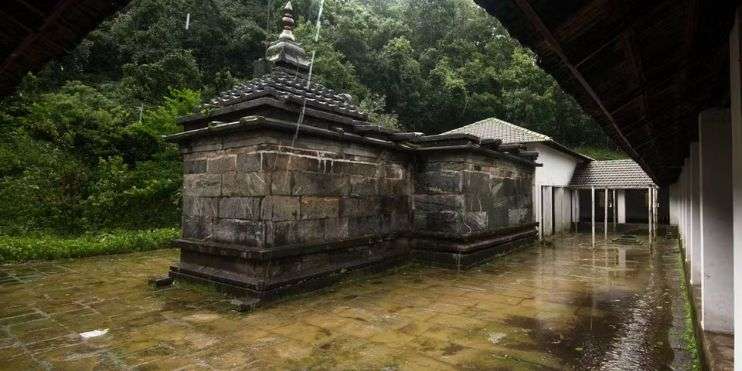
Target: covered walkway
664,78
618,306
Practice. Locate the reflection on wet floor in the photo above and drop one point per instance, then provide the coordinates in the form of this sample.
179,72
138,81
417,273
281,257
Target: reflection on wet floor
617,306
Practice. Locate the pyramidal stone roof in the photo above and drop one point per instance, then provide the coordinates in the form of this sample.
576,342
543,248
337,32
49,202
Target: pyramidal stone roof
494,128
611,174
289,79
284,84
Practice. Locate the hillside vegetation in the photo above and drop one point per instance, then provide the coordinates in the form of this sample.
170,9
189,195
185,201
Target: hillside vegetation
80,142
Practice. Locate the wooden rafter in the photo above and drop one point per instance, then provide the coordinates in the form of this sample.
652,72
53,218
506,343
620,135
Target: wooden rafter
555,46
15,22
654,64
567,30
41,33
627,26
32,8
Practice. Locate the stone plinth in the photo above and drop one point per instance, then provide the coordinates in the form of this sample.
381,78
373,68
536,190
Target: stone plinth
470,206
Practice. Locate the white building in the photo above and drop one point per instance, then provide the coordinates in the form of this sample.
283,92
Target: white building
567,182
621,191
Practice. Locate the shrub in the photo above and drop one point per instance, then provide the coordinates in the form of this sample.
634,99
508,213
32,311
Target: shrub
75,160
47,247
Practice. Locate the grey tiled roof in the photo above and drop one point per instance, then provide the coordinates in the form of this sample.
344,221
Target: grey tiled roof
611,174
284,84
493,128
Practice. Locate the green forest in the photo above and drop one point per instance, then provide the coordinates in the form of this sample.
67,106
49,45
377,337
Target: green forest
81,146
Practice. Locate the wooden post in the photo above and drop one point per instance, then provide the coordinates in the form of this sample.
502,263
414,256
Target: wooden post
605,216
592,204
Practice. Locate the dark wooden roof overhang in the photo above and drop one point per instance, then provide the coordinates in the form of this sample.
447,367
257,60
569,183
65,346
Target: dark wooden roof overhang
32,32
642,69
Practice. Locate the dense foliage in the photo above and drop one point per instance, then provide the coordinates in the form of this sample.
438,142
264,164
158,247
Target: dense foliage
37,247
600,153
80,143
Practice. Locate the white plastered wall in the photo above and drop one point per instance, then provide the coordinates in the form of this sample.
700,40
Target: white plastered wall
715,170
546,204
695,217
735,69
674,204
556,172
621,205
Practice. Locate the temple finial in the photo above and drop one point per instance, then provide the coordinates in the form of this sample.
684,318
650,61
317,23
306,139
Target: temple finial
286,52
288,23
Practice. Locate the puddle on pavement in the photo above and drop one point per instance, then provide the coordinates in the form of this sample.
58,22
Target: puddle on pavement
558,306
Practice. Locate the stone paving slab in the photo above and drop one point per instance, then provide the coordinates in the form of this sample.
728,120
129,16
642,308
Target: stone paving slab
563,307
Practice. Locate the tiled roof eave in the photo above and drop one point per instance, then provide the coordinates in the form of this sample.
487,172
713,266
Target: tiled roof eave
612,186
560,147
616,174
272,101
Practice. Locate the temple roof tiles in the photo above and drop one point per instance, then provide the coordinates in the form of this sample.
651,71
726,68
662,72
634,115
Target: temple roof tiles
282,83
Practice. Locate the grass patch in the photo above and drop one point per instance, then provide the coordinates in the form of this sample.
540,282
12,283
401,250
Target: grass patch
689,335
48,247
601,154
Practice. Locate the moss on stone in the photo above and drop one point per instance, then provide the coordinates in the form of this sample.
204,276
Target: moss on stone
689,336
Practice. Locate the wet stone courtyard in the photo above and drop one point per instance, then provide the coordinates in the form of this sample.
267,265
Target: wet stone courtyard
562,305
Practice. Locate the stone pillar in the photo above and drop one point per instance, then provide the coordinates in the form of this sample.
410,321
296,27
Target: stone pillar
605,216
592,207
547,203
681,222
571,208
621,206
715,160
577,206
681,201
673,203
649,213
655,209
537,210
559,210
615,211
735,69
695,218
687,234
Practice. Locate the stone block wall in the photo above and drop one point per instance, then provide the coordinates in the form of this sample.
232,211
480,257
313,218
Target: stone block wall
265,213
260,213
260,191
463,194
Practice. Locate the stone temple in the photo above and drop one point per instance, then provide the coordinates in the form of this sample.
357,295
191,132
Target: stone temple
287,186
